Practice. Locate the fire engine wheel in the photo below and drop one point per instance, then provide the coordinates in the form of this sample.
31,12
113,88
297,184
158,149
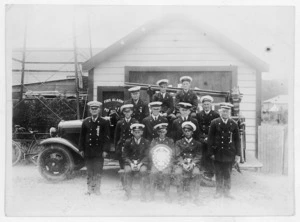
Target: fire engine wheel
55,163
16,153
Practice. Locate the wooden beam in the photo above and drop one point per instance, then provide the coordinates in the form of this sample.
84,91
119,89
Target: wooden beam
36,70
52,62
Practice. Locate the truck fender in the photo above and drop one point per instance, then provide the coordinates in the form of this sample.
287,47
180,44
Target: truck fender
61,141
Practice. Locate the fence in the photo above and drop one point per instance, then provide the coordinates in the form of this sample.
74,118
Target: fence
273,148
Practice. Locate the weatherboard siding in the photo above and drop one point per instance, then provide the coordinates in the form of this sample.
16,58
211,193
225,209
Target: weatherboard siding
173,46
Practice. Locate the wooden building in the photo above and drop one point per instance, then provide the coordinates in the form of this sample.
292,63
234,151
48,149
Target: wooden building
170,48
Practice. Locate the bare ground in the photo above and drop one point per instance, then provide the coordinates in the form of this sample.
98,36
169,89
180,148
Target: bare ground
28,194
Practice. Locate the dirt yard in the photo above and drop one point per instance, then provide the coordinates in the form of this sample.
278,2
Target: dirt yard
29,194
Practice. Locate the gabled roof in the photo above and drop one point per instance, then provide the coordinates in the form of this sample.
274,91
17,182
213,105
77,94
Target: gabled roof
280,99
142,31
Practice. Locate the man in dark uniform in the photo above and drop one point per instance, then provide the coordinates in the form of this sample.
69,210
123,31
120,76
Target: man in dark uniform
186,95
136,151
188,153
140,108
224,148
123,131
94,143
163,96
161,129
184,109
152,120
204,119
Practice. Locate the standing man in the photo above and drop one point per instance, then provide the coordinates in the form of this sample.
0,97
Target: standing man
163,96
152,120
224,148
140,108
188,154
204,119
123,131
94,143
184,110
186,95
161,130
136,150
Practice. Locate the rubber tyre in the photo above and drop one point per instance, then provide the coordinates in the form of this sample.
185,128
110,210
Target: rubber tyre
16,153
55,163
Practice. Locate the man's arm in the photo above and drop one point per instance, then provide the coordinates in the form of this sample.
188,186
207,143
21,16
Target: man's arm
237,140
117,134
82,137
211,138
125,154
105,137
194,103
171,105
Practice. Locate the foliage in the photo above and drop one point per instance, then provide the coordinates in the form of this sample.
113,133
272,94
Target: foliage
41,114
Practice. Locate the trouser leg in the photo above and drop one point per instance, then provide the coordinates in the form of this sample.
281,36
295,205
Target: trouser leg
167,181
98,169
219,176
128,177
143,181
179,181
89,167
227,177
153,177
207,163
195,183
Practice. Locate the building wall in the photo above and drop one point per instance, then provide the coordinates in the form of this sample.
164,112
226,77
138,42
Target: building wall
177,45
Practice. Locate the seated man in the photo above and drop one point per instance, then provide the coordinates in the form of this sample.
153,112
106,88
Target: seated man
135,156
188,153
161,130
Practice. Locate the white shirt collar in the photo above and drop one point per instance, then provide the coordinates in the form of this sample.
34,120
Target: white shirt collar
137,141
207,112
127,120
94,119
161,140
188,140
225,121
154,117
184,118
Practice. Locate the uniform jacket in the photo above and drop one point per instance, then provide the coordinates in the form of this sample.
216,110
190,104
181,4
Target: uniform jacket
167,102
224,140
140,110
123,132
167,141
149,122
133,151
177,129
94,137
184,149
204,121
188,97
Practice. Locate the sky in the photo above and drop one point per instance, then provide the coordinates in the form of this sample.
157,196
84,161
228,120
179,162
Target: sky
256,28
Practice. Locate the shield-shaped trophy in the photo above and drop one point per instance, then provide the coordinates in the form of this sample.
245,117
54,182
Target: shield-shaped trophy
161,156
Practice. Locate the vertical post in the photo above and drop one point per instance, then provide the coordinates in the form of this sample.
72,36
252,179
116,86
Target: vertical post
76,67
23,63
90,38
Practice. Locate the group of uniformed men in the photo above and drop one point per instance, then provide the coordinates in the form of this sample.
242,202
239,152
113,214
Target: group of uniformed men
203,144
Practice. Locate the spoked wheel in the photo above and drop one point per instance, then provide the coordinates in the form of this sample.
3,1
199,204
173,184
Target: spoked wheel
55,163
34,153
16,153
